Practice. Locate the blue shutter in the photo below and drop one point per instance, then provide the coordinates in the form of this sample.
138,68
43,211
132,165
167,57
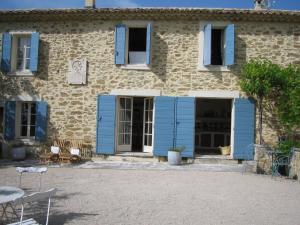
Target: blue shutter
163,125
244,127
207,45
120,44
34,51
148,47
229,45
185,125
10,118
106,120
41,121
6,52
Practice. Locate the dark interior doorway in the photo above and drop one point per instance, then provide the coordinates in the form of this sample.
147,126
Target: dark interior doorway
213,125
137,124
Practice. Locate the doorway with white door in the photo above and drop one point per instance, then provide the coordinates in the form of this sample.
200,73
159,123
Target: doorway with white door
134,124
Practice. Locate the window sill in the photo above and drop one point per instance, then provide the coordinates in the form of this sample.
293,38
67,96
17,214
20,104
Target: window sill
214,68
27,141
25,73
135,67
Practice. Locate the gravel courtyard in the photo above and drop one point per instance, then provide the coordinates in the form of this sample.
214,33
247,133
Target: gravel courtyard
105,196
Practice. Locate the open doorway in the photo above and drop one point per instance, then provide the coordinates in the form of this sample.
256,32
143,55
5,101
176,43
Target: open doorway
213,125
135,124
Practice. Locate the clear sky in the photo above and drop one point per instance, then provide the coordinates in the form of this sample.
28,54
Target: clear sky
27,4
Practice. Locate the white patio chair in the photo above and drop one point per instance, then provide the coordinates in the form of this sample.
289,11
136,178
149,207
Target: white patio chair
35,197
39,170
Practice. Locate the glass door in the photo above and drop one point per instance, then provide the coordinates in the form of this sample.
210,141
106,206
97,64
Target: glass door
124,124
148,124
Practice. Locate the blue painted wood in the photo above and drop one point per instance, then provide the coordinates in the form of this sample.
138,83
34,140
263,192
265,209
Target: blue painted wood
148,46
185,125
34,51
41,121
6,52
120,44
244,128
229,45
207,45
10,118
106,122
163,125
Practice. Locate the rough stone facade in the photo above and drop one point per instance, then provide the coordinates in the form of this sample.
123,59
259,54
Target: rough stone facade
295,165
174,67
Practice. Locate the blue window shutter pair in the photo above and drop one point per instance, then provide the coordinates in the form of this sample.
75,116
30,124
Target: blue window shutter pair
229,45
174,125
6,52
41,121
106,121
10,120
120,44
244,128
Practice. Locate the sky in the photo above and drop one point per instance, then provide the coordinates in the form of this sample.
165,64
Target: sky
29,4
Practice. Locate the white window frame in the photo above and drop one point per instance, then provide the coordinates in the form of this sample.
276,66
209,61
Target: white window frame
201,66
14,48
18,120
134,24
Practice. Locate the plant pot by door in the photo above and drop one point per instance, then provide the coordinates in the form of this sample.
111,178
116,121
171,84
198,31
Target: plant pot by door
174,157
18,153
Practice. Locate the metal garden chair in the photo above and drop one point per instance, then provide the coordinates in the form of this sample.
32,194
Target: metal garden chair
35,197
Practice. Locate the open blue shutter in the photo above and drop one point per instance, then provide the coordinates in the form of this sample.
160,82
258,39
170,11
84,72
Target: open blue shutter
244,127
34,51
185,125
120,44
229,45
106,120
6,52
148,47
41,121
10,120
163,125
207,45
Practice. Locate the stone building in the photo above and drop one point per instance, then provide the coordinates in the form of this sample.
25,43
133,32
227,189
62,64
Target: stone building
145,79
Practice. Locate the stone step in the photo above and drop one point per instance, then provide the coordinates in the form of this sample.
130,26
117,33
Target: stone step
214,160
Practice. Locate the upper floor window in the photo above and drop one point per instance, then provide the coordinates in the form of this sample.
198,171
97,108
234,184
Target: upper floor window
133,44
20,52
216,46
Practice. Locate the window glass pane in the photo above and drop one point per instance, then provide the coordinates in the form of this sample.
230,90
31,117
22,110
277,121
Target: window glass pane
128,115
128,103
151,104
122,103
217,47
137,39
150,128
127,139
150,140
33,108
23,130
32,120
145,140
32,131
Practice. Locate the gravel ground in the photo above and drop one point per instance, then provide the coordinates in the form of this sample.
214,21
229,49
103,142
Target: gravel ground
107,196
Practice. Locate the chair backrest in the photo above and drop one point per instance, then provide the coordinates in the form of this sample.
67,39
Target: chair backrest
39,196
75,151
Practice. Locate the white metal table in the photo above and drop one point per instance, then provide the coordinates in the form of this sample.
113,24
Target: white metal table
7,196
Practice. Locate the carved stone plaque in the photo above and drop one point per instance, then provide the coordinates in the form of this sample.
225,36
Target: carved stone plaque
77,71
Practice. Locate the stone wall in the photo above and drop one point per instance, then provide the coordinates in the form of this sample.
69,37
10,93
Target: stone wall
295,165
173,70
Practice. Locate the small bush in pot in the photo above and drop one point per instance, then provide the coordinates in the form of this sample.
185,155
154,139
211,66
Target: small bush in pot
174,155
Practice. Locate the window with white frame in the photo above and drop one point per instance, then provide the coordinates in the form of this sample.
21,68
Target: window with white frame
216,45
27,119
133,43
21,52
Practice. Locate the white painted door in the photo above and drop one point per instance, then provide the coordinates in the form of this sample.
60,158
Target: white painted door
124,123
148,125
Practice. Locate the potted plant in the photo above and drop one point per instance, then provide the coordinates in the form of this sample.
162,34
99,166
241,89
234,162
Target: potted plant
174,155
18,150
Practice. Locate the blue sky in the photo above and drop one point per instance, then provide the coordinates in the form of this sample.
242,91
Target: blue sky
27,4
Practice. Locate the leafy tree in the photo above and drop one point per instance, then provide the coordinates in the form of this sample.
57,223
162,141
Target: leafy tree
288,102
260,79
